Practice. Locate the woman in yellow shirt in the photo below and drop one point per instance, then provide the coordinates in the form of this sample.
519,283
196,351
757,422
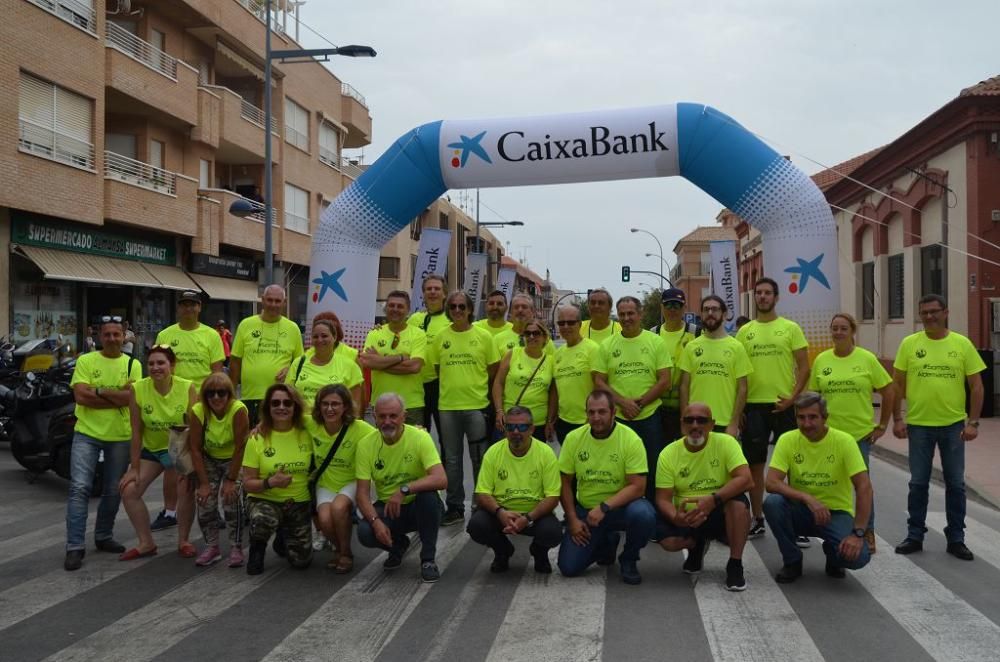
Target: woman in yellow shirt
219,428
156,404
525,378
309,373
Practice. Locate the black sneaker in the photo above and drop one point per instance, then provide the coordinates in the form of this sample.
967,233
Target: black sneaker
629,572
606,555
735,581
429,572
803,542
542,563
109,545
960,551
395,558
757,529
909,546
834,571
452,517
500,564
789,573
696,557
163,521
255,558
74,559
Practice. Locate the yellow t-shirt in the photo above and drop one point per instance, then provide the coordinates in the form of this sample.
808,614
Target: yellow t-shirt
701,473
292,451
311,378
507,340
389,466
95,369
341,470
218,435
823,468
715,366
575,379
847,384
264,348
412,343
536,396
600,465
935,377
463,359
770,346
519,483
159,413
431,325
631,365
676,342
196,351
614,328
494,330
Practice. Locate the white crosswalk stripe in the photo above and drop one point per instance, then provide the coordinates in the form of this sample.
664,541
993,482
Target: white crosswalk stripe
982,540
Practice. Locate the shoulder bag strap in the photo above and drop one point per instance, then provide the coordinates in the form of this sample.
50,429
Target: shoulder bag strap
528,383
298,371
330,453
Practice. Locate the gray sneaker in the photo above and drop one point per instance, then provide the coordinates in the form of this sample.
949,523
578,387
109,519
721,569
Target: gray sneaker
429,572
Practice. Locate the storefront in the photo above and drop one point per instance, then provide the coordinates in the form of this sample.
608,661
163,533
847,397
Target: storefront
230,281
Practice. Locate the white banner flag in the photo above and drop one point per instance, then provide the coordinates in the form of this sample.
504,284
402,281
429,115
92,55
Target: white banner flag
475,274
505,282
725,279
432,258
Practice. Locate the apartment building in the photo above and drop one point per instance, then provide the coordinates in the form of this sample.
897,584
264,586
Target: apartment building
692,270
127,131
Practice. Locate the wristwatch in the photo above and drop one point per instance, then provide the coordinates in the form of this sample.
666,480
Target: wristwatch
974,424
531,522
858,532
404,490
717,499
605,508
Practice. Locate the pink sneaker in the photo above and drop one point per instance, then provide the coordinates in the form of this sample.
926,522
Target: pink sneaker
235,557
209,556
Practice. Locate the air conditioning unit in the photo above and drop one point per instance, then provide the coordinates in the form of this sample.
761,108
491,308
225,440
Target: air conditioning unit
995,214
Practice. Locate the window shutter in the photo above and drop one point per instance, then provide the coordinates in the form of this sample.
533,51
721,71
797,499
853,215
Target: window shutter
36,103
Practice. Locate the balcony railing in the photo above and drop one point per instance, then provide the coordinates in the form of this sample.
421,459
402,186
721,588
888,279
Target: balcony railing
350,168
80,14
252,113
121,39
329,157
140,174
256,7
349,91
47,143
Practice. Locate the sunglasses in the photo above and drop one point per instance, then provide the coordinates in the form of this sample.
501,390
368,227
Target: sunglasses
673,304
281,403
533,334
111,318
216,393
395,342
700,420
162,346
456,306
567,322
517,427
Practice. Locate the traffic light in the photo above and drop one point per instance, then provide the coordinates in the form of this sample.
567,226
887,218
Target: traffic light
626,273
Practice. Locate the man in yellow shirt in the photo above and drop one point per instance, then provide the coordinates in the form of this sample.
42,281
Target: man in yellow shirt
676,334
778,353
101,389
432,320
517,490
394,353
700,485
574,366
496,314
607,464
264,345
600,326
931,371
399,465
816,477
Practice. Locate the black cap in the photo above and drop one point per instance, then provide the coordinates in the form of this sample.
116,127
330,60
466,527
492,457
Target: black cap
673,294
189,295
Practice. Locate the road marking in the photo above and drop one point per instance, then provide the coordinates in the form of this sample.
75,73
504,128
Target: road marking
15,512
451,624
756,624
148,632
946,626
359,619
553,617
983,541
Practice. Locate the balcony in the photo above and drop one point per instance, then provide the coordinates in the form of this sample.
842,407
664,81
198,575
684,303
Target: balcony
355,116
235,231
241,127
141,194
144,73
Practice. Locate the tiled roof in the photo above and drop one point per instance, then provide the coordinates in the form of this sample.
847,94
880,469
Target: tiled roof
709,233
987,88
824,179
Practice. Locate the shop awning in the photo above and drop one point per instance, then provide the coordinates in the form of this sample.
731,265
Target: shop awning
227,289
172,278
66,265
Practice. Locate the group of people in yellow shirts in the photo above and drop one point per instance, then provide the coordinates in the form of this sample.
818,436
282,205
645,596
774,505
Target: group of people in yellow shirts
647,421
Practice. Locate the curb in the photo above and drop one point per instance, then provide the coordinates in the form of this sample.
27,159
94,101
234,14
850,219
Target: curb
973,492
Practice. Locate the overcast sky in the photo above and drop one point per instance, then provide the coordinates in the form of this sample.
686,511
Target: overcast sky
824,80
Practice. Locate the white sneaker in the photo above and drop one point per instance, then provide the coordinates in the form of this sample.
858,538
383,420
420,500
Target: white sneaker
319,541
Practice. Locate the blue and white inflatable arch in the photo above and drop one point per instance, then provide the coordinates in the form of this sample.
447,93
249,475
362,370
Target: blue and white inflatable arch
694,141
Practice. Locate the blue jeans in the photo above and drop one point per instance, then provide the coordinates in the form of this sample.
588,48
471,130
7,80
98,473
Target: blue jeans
637,520
788,519
948,439
422,515
82,467
650,430
865,446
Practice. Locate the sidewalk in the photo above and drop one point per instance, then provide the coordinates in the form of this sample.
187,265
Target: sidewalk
982,460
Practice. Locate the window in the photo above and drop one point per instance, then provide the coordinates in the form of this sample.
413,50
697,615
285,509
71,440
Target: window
443,220
296,209
121,143
78,12
933,270
204,173
388,267
868,291
415,228
706,264
296,125
329,151
55,123
897,288
413,267
156,153
158,40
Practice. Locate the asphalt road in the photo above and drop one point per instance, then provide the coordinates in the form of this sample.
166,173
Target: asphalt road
925,607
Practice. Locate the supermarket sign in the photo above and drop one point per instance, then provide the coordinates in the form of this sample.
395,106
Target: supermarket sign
33,230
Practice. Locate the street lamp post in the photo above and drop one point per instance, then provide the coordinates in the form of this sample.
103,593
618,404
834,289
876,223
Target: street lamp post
242,208
662,261
633,231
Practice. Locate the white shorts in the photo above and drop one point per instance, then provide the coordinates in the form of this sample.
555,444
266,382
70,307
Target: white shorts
324,495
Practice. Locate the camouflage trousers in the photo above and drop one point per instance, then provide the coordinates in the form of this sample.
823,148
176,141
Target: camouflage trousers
208,513
295,521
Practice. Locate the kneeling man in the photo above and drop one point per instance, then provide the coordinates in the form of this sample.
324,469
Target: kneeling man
825,471
700,485
517,490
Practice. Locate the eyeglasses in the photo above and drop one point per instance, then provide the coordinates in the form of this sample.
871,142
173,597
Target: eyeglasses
111,318
673,305
331,404
456,306
532,334
567,322
711,309
517,427
216,393
395,342
700,420
282,403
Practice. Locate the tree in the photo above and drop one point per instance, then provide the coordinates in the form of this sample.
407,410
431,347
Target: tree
651,308
584,311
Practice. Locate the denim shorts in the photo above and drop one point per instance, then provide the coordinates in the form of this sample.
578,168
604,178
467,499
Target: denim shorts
163,457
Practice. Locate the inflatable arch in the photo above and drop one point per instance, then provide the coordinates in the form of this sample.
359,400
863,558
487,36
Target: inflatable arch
694,141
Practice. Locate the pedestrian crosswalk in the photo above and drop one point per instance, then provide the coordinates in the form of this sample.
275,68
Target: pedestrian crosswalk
472,614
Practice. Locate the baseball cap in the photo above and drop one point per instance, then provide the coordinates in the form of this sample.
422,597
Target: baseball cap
189,295
673,294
